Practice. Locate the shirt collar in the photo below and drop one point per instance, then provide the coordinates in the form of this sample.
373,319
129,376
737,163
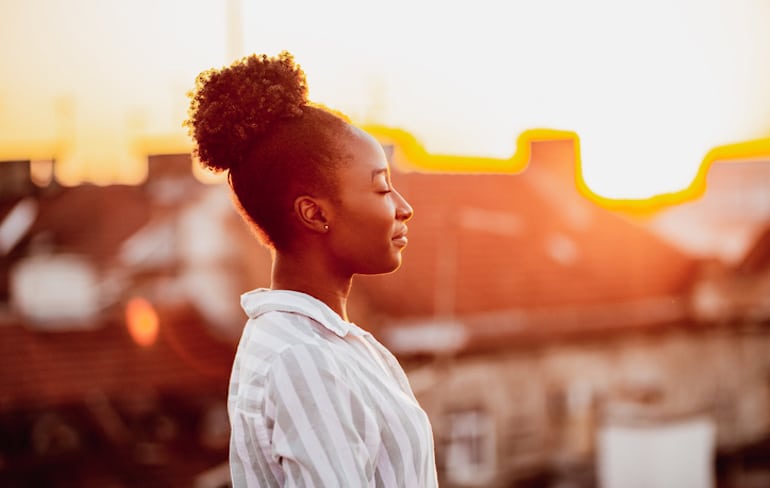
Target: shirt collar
262,300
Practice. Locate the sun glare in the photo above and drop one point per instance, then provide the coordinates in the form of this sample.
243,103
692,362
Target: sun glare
650,89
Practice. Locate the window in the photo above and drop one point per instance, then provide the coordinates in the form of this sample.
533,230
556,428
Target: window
470,447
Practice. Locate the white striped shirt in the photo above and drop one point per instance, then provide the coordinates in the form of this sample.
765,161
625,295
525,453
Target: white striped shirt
317,401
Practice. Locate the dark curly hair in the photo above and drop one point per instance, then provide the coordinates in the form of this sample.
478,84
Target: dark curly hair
253,119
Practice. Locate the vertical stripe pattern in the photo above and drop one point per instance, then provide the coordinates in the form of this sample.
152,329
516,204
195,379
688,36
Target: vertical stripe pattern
315,401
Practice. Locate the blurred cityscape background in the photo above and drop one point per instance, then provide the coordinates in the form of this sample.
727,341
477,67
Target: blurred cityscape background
552,341
593,311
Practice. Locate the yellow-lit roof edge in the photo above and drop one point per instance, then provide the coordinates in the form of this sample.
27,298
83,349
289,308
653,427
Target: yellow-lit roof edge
416,158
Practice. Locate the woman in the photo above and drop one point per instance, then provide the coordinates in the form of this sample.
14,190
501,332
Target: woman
314,400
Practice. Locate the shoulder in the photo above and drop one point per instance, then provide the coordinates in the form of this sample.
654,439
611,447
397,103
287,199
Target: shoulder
279,330
276,345
277,336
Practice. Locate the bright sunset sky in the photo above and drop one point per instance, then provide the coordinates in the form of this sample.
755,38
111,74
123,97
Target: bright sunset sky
649,86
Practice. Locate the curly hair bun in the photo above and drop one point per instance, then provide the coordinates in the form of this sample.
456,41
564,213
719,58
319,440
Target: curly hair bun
232,107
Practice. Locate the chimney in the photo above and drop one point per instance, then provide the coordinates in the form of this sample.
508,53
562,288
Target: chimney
16,180
554,161
170,178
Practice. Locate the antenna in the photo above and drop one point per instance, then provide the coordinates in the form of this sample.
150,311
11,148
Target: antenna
234,30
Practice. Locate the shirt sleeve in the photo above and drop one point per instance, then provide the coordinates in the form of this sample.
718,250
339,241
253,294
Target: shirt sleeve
322,434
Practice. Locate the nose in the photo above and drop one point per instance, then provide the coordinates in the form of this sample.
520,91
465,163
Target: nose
404,211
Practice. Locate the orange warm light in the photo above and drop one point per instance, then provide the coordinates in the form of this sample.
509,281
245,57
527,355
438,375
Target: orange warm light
142,321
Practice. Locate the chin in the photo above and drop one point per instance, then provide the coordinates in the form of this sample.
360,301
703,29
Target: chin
385,267
395,264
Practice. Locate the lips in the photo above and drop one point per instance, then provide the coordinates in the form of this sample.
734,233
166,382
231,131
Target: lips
400,239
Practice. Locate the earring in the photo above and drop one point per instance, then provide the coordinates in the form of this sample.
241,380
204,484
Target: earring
326,226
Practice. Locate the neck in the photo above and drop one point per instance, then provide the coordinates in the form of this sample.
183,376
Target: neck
306,274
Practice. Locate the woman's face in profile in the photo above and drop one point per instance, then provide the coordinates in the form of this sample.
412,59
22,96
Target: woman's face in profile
368,230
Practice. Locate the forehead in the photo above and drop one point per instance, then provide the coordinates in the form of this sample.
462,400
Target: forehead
366,158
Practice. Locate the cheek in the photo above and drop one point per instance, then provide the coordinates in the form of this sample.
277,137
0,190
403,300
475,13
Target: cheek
367,225
366,233
375,214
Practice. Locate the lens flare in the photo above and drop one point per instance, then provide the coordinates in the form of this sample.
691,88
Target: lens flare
142,321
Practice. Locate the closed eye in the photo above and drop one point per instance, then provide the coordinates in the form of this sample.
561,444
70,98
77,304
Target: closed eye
381,181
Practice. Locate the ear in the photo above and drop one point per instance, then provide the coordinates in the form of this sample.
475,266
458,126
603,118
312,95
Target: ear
311,213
